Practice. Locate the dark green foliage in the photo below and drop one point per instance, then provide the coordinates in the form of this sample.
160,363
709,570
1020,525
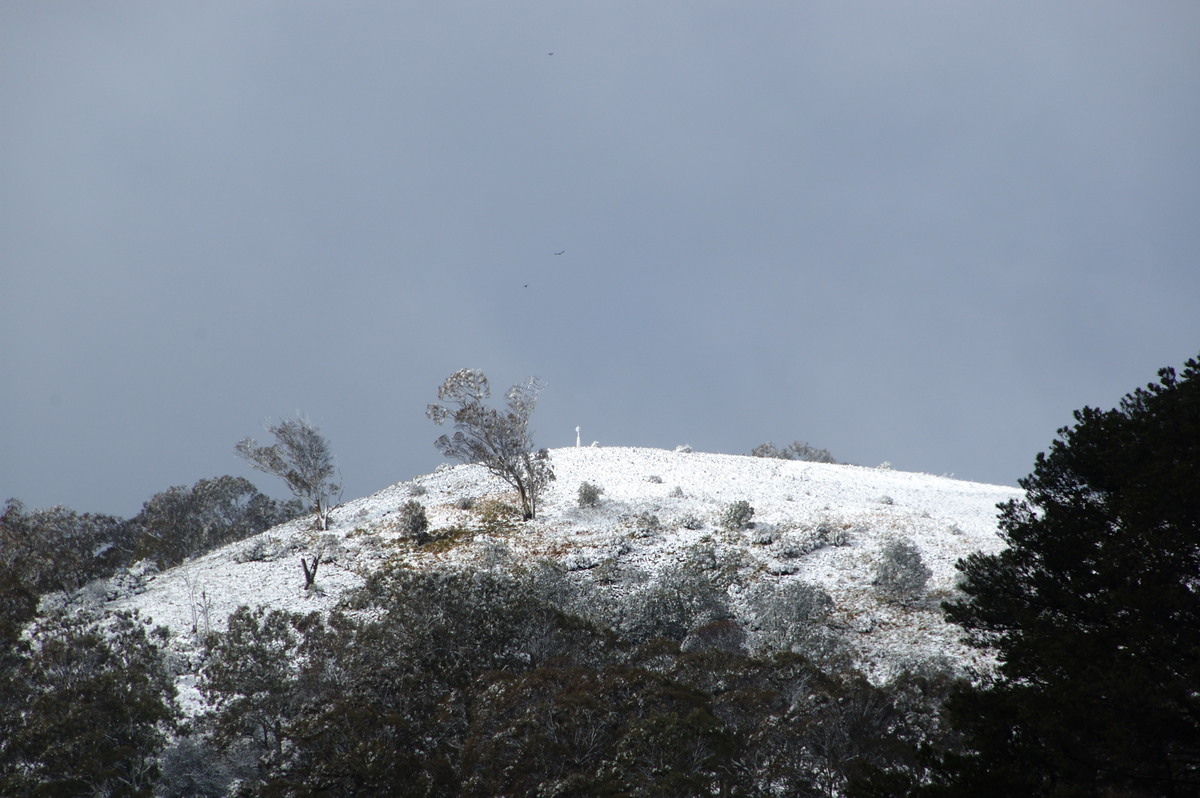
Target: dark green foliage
250,678
1095,611
796,450
59,549
477,683
181,522
87,708
193,768
580,731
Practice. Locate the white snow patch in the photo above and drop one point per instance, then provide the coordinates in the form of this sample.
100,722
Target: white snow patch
947,519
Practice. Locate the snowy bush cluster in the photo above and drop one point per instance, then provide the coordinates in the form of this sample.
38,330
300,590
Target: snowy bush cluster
589,494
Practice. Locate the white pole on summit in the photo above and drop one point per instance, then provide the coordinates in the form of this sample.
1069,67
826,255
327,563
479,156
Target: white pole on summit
577,443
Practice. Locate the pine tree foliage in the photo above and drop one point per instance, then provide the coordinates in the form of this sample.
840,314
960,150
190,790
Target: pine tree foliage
499,440
1095,611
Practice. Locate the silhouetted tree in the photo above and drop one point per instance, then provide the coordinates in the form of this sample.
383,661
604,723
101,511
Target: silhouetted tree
1094,609
500,441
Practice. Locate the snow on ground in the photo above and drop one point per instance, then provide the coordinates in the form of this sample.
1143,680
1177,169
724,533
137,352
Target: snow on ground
862,508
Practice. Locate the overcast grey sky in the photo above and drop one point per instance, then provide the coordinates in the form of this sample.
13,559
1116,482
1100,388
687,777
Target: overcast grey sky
919,232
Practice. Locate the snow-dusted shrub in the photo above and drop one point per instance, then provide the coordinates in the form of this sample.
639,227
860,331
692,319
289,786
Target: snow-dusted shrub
796,450
654,479
682,598
263,548
703,557
764,535
787,617
494,554
589,494
465,503
416,489
676,492
497,518
414,523
683,448
901,574
582,560
548,580
645,525
737,516
329,547
691,521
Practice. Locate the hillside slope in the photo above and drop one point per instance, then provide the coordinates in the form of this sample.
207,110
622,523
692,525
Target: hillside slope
820,523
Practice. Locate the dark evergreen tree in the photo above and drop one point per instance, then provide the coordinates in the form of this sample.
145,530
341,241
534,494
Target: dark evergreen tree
1094,609
88,706
58,549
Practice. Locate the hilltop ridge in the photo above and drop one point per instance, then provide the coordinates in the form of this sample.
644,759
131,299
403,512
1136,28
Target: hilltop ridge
822,524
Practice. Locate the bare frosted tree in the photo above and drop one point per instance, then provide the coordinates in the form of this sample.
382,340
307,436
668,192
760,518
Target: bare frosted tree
302,458
499,440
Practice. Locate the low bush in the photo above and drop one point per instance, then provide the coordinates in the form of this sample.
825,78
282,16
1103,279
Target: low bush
414,523
796,450
737,516
901,574
589,494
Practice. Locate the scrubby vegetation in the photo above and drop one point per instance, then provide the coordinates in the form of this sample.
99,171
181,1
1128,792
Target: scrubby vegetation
589,494
796,450
736,516
485,683
900,573
719,671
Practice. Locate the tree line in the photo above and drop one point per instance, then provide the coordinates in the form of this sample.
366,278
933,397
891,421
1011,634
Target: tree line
489,682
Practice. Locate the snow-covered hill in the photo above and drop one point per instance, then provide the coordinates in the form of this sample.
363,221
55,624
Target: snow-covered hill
820,523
